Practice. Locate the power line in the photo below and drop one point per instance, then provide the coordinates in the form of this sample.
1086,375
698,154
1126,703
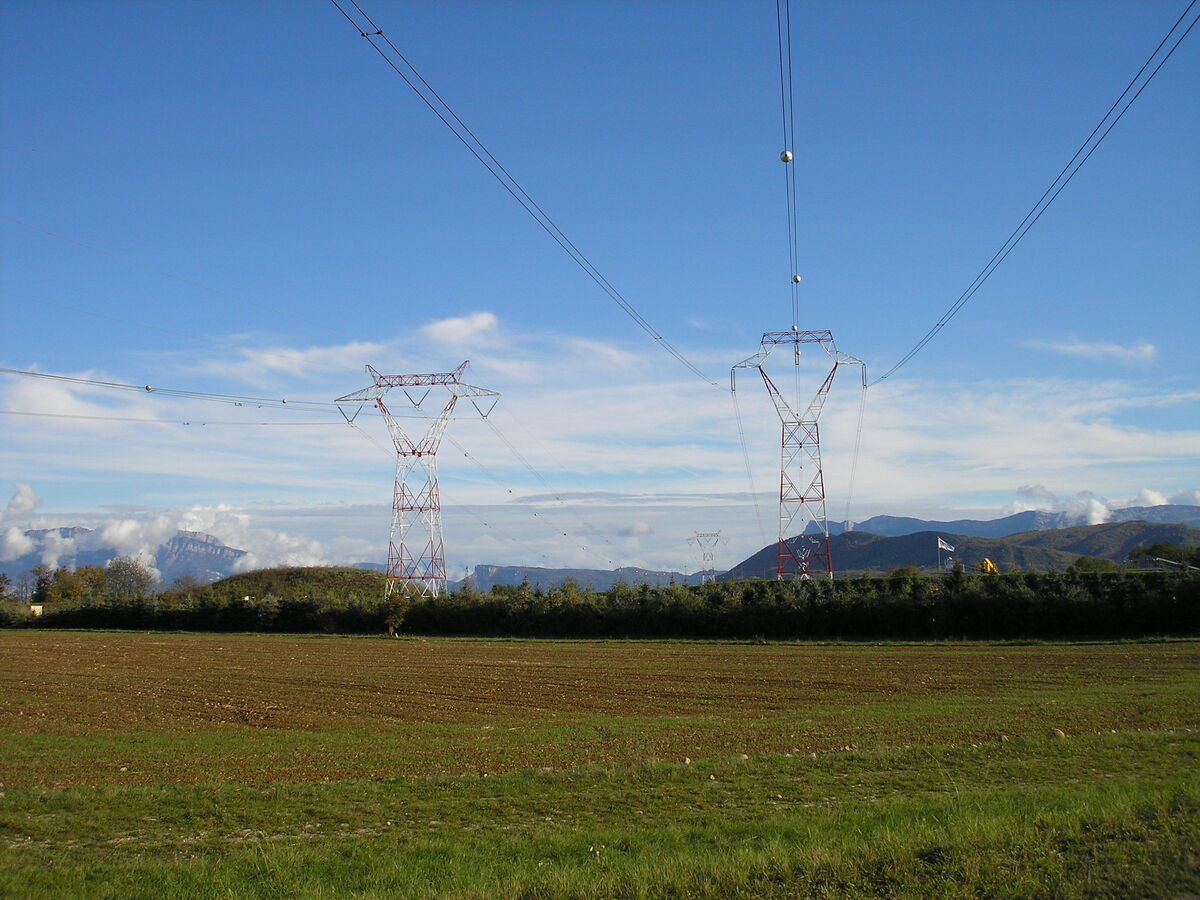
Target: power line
1056,187
783,31
233,399
144,421
536,474
430,97
498,481
862,411
390,451
209,397
525,427
737,414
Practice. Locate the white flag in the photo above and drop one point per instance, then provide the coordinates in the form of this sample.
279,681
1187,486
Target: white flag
942,545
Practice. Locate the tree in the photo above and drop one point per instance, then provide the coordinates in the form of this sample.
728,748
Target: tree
6,588
1188,556
43,581
85,585
129,578
24,587
1093,564
186,583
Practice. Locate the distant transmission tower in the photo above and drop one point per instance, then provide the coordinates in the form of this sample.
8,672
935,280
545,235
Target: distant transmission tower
416,557
801,482
706,542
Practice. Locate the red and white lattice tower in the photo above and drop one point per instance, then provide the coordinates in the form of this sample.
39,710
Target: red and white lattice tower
800,552
416,557
706,542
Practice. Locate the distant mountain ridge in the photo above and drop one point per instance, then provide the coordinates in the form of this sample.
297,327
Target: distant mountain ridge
1033,538
193,553
484,577
858,551
1030,520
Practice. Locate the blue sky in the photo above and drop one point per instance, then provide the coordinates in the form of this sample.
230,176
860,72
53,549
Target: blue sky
266,208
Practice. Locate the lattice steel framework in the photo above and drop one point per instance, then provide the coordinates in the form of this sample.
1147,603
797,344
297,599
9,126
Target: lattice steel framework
706,542
416,555
800,553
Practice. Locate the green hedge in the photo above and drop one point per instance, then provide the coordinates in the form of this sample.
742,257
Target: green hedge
1015,605
960,605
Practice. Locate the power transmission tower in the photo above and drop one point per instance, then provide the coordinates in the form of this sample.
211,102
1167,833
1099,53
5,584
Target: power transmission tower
706,542
801,482
416,556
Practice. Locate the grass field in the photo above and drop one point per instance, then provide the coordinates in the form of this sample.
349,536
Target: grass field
152,765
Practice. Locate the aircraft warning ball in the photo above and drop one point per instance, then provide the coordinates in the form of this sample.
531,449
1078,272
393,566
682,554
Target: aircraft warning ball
785,156
795,279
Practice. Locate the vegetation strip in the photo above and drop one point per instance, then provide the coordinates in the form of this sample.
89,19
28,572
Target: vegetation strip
1078,817
1072,604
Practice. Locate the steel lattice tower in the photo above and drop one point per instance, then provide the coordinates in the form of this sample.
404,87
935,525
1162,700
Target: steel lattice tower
799,554
416,556
706,542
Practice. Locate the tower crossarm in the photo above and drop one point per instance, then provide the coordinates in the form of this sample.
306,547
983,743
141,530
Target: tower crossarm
775,338
381,384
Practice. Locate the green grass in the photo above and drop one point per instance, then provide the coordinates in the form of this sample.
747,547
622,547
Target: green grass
150,765
1115,815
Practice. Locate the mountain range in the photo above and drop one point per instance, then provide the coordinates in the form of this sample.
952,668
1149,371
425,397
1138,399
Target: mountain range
857,551
191,553
484,577
879,544
1030,520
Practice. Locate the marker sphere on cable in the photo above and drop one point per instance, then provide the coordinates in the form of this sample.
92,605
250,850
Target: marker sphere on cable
795,279
785,156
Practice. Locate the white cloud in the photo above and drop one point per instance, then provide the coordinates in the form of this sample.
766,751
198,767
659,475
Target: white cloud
473,329
140,532
52,398
281,549
135,536
1037,492
1186,498
56,550
1088,506
264,546
1140,352
1147,497
23,502
257,365
621,431
602,355
14,544
637,529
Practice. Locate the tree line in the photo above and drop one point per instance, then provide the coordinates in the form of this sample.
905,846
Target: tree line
904,605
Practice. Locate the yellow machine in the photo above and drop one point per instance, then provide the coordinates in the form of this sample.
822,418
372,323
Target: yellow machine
987,567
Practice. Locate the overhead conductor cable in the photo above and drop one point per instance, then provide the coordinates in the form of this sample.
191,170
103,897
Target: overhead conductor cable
400,64
1056,186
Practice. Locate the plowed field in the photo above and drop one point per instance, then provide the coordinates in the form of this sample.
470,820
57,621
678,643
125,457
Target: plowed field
130,708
